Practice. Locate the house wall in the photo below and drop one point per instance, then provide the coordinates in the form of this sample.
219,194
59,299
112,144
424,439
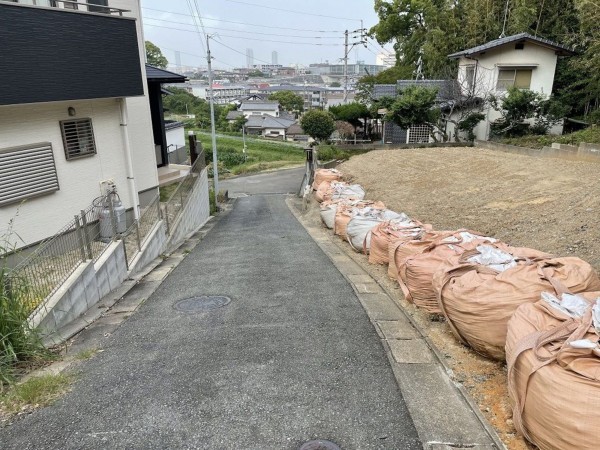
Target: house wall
40,217
140,122
272,132
543,61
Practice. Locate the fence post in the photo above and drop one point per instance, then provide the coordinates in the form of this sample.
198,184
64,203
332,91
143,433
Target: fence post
86,235
167,218
137,233
124,241
80,238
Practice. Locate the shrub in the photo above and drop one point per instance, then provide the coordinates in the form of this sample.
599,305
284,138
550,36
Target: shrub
330,152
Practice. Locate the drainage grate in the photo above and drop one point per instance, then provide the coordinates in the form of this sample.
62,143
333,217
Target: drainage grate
202,303
319,445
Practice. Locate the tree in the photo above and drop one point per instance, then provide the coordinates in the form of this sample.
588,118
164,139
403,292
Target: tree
154,56
238,124
289,101
355,113
335,84
521,105
318,124
416,105
255,74
181,101
345,130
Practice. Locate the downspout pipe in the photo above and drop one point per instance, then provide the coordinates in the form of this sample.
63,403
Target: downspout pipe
133,192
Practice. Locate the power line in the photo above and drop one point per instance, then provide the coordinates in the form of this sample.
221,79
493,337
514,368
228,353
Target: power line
190,6
245,23
237,51
251,39
242,31
291,10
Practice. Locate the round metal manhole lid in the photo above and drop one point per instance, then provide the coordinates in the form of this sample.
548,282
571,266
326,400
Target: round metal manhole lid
319,444
201,303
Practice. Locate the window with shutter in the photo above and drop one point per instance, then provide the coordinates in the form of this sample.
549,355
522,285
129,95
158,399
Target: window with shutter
78,138
27,171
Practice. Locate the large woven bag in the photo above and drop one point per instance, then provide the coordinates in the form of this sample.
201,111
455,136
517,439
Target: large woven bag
553,362
478,300
326,175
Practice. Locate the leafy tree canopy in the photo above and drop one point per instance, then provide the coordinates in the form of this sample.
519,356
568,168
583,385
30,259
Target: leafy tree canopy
318,124
289,101
154,56
414,106
350,112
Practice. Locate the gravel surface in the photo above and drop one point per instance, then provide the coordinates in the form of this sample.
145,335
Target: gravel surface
542,203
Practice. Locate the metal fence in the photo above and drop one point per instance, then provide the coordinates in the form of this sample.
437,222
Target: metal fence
85,238
136,235
173,207
56,258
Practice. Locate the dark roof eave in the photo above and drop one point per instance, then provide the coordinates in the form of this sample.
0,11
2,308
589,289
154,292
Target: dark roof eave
158,75
562,50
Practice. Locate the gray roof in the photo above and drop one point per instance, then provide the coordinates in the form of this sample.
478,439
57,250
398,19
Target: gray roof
268,122
259,106
446,88
562,50
232,115
158,75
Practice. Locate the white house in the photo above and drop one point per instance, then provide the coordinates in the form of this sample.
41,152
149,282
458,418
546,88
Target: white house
521,60
74,113
259,108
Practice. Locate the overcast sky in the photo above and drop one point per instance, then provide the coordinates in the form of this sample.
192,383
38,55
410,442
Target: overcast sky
293,33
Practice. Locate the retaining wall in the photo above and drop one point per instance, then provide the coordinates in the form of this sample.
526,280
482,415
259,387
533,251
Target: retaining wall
583,152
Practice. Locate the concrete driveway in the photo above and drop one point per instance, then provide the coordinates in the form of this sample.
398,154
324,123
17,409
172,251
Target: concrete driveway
292,357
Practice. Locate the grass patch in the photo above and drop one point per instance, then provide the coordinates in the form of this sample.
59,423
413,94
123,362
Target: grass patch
34,393
590,135
86,354
331,152
261,154
20,346
166,191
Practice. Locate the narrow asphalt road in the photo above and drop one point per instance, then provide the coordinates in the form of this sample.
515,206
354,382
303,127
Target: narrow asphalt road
292,357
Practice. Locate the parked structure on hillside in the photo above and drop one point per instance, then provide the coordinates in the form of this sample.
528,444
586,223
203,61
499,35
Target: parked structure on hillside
522,60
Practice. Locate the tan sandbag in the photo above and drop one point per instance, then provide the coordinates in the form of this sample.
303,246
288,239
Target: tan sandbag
326,175
345,213
403,247
386,232
553,387
322,190
478,301
415,273
328,210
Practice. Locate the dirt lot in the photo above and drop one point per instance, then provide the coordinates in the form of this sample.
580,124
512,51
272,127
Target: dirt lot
547,204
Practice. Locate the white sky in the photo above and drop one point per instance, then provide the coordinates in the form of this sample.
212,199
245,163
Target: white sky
293,33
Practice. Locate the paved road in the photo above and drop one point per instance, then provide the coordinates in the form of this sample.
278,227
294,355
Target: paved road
293,357
278,182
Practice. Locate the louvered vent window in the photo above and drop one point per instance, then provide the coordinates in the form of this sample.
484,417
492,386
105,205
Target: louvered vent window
78,138
26,171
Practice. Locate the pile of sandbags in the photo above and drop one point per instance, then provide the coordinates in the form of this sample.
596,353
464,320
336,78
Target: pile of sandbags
338,190
326,175
553,361
345,213
384,233
478,297
363,221
415,272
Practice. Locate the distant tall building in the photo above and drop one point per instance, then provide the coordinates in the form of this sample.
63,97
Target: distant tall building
249,58
178,59
274,57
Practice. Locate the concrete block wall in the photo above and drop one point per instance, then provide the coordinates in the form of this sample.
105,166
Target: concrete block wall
195,213
154,246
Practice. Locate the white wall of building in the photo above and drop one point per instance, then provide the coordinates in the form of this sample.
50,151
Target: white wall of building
40,217
541,60
175,138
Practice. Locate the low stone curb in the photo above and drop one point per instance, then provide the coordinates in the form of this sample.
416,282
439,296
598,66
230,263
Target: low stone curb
445,415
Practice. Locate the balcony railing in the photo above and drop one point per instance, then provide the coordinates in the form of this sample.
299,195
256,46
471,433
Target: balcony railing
91,6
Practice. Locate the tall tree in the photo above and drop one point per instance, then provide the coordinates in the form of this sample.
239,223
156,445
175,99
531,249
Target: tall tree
318,124
154,56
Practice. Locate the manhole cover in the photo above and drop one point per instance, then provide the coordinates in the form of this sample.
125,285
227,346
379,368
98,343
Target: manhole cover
319,445
202,303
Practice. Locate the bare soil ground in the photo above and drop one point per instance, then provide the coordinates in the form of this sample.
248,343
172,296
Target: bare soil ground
542,203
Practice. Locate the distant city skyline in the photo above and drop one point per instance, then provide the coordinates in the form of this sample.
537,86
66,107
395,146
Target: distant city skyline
294,33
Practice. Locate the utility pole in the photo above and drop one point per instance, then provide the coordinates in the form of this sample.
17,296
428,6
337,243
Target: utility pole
346,67
348,46
212,119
